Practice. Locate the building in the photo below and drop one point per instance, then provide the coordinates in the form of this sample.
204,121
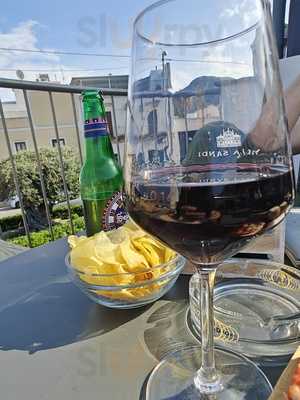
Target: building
173,118
18,125
104,82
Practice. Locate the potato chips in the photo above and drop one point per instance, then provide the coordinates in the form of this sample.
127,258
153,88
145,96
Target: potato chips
124,257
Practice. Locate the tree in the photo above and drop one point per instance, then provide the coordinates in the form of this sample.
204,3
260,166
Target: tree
30,184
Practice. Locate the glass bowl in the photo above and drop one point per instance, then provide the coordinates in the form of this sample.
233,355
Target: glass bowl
127,290
257,309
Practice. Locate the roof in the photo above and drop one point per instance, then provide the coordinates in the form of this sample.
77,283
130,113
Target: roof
103,82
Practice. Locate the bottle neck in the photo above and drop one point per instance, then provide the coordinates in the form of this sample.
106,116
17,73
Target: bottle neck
93,106
97,148
97,141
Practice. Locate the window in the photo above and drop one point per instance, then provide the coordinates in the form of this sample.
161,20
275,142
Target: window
109,123
152,123
61,141
20,146
184,140
156,156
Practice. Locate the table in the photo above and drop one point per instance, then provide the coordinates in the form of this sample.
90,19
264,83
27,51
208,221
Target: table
57,344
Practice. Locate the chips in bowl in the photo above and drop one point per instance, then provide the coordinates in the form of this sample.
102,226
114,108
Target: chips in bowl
123,265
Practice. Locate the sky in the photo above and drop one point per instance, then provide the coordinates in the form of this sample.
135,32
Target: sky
93,26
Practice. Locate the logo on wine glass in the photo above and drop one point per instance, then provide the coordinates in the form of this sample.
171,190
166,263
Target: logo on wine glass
229,138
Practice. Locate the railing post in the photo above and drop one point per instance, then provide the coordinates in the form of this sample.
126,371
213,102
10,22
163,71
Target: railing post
169,119
186,127
116,127
43,186
76,128
61,162
155,122
15,176
115,121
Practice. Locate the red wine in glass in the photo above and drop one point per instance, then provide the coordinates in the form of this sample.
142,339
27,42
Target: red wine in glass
210,214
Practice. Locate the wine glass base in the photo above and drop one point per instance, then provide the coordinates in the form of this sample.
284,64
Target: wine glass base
173,378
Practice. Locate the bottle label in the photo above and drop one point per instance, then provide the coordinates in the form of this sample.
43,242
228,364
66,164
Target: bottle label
95,127
114,214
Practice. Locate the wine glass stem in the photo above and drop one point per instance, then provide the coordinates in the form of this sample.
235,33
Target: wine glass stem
207,379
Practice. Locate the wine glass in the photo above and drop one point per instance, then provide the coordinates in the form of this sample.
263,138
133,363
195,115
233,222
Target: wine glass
208,161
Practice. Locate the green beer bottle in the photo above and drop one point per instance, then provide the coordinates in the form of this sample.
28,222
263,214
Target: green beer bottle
101,180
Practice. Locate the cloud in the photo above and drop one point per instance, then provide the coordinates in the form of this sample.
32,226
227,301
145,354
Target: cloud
243,14
231,12
25,35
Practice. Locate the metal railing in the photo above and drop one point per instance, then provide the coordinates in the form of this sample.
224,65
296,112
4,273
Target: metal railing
50,88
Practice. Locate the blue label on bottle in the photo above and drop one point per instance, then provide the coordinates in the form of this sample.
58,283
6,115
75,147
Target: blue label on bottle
95,128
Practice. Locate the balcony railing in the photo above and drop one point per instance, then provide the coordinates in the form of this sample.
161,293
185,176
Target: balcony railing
50,89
